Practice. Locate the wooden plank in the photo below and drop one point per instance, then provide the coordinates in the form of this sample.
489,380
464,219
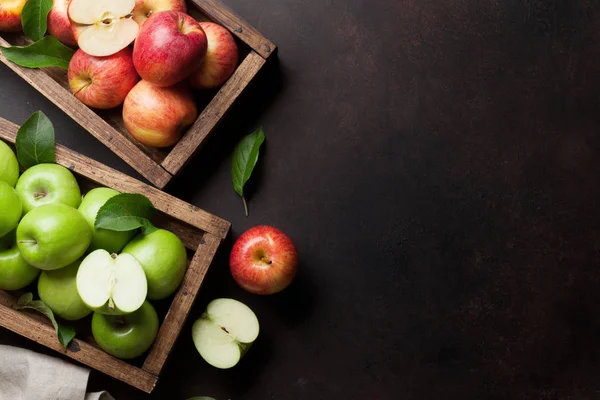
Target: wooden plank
90,121
25,325
216,11
181,306
213,114
110,177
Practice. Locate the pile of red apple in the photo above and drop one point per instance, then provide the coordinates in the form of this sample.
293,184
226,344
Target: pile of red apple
146,55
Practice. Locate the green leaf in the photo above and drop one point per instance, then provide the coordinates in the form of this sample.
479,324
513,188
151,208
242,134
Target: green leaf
35,141
65,333
126,212
34,18
245,158
47,52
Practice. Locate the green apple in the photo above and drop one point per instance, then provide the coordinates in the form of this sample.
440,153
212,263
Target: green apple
164,259
58,289
111,284
53,236
9,166
48,184
126,336
111,241
10,208
225,332
15,273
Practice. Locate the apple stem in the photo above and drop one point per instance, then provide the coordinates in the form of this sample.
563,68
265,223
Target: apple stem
111,303
28,241
245,205
266,260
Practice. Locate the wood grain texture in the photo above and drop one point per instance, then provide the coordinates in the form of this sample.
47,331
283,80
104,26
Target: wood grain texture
213,113
185,297
106,176
218,12
25,324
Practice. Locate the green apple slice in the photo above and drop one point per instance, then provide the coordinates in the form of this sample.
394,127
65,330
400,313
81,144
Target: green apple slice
111,284
225,332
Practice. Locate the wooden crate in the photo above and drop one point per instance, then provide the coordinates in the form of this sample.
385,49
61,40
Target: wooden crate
202,234
157,165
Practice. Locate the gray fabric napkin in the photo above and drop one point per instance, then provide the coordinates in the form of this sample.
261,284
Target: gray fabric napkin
25,375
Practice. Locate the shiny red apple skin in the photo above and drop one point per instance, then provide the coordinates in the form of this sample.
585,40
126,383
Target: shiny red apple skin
220,61
157,116
169,46
10,15
264,260
144,9
59,24
102,82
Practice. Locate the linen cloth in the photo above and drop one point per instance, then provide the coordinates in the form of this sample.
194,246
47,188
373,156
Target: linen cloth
26,375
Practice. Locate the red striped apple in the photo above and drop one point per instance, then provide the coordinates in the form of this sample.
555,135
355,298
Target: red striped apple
145,8
169,46
220,61
264,260
157,116
59,24
102,82
10,15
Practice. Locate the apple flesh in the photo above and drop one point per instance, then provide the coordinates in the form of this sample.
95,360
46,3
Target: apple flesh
48,184
111,241
9,166
53,236
170,44
111,284
157,116
103,27
59,24
126,336
10,208
164,259
220,61
10,15
58,289
225,332
145,8
264,260
102,82
15,273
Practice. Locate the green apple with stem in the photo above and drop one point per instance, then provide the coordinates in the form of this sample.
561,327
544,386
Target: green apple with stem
53,236
58,289
126,336
9,166
111,284
48,184
164,259
15,273
225,332
111,241
10,208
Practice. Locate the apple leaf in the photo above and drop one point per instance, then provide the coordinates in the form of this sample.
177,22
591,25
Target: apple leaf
126,212
65,333
245,157
34,18
46,52
35,141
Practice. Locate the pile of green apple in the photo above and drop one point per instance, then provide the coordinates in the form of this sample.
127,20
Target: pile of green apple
48,233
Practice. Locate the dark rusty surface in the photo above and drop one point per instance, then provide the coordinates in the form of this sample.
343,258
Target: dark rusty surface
435,162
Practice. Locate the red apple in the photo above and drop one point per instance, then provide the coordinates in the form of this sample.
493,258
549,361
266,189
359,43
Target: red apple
59,24
145,8
264,260
157,116
102,82
168,47
220,61
10,15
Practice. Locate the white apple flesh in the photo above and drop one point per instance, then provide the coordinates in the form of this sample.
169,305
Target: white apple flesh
111,284
225,332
